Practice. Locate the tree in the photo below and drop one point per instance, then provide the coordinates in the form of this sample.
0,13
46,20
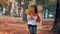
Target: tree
25,7
57,17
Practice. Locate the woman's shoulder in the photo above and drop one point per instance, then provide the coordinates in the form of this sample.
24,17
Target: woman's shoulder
35,14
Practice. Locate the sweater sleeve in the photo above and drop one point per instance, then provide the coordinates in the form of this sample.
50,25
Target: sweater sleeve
28,17
35,17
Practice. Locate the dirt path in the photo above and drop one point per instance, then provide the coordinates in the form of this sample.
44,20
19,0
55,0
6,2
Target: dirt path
17,26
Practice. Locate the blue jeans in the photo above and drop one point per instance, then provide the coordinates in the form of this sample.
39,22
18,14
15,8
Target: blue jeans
32,29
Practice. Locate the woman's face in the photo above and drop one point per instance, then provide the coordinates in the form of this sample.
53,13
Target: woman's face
40,8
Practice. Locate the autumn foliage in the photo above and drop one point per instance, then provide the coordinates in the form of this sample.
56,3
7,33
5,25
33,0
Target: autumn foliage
29,11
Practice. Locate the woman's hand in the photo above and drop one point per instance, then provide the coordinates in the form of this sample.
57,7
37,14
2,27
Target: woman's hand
30,17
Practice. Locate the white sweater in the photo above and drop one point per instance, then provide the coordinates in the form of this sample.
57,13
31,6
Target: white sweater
33,21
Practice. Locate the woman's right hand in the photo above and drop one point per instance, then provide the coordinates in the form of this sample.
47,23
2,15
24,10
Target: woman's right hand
30,17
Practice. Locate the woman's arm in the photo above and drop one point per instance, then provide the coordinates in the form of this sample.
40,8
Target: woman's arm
35,17
29,17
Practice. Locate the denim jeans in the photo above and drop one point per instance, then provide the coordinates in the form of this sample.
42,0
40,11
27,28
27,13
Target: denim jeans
32,29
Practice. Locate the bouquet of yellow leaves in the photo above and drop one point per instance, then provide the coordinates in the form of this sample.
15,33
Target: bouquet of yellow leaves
29,11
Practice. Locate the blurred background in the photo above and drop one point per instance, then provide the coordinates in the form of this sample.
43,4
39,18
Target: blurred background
16,8
13,17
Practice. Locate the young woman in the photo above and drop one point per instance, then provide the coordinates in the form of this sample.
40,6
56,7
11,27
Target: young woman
31,20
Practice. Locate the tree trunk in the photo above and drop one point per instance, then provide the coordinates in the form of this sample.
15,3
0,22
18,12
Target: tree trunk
12,8
57,18
25,7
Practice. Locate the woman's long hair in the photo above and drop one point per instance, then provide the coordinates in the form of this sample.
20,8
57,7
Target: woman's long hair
35,9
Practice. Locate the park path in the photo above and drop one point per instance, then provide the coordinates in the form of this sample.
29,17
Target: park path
11,25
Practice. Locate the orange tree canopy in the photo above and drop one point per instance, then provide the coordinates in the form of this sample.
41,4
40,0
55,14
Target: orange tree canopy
3,1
